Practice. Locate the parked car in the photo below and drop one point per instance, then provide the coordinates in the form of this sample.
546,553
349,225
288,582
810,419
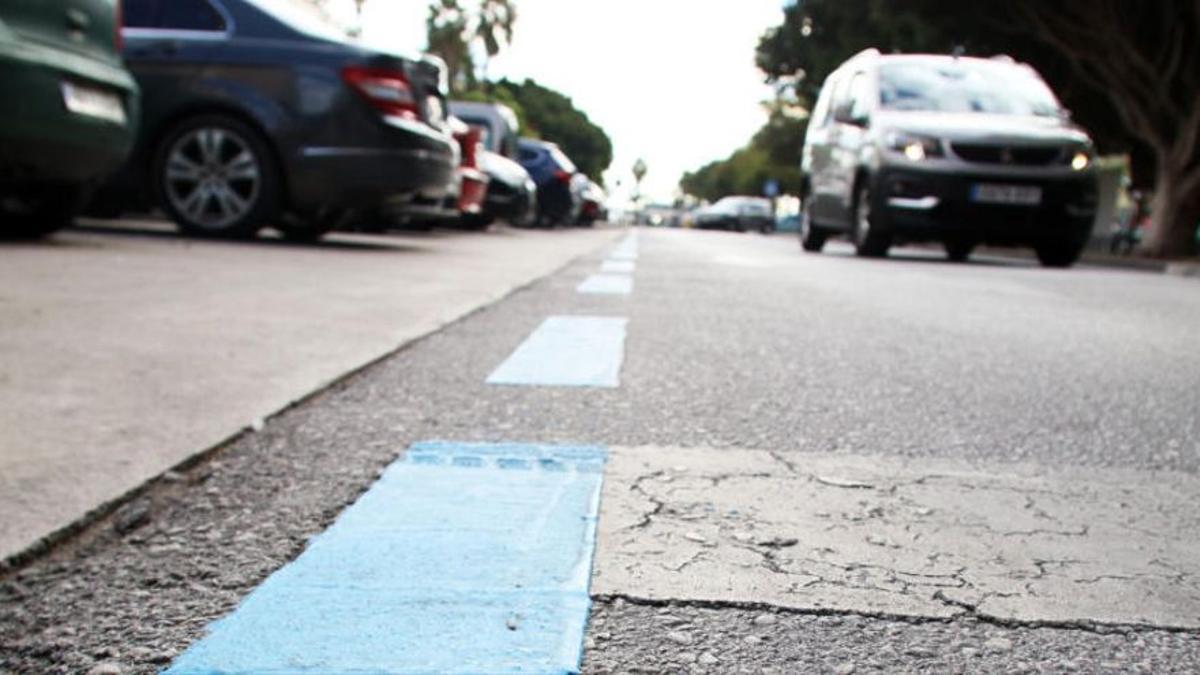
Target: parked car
737,213
593,208
498,122
261,112
963,151
511,194
68,109
472,180
552,171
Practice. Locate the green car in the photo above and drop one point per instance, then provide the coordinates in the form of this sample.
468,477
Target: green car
68,109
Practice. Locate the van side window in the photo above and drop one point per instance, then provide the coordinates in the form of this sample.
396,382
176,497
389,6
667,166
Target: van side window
860,96
820,113
190,15
140,13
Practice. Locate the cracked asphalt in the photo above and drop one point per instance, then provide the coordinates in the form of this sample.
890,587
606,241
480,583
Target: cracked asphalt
742,349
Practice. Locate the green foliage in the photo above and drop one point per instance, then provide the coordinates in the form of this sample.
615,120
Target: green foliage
548,114
773,154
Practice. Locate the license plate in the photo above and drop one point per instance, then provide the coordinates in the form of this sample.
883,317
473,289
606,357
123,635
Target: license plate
94,103
1018,195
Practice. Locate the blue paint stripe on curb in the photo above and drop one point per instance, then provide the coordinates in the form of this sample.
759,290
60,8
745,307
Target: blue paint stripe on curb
607,284
568,351
462,558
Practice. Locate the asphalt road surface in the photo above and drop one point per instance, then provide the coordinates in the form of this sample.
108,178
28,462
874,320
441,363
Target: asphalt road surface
816,464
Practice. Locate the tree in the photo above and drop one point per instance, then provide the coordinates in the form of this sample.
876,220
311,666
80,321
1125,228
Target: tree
454,31
1129,70
772,154
1146,57
446,28
552,116
497,19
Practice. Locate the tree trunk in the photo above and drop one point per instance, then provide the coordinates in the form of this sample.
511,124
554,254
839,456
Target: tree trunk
1174,214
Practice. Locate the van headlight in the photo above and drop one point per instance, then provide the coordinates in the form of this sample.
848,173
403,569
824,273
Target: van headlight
1081,160
914,147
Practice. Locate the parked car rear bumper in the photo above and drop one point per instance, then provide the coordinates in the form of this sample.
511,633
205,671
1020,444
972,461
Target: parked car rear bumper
371,178
40,140
927,205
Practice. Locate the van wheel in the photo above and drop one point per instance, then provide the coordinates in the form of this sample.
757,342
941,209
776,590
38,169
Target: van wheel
812,237
215,176
869,232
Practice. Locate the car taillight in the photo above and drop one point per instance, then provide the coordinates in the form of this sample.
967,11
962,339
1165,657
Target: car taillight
563,177
387,90
118,23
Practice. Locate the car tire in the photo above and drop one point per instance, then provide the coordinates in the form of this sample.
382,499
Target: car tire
958,250
43,211
1059,252
868,231
812,236
215,176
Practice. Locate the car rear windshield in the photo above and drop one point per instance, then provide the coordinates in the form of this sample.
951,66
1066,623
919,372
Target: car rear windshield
965,86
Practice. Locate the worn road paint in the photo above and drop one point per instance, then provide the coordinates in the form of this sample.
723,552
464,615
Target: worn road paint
568,351
607,284
618,266
462,558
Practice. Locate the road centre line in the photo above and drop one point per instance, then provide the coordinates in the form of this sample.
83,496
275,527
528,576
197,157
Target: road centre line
568,351
607,284
461,558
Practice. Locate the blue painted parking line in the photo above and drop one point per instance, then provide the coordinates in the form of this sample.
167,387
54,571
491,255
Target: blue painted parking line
568,351
462,558
618,266
607,284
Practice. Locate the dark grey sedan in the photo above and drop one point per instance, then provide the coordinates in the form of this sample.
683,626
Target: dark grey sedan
263,113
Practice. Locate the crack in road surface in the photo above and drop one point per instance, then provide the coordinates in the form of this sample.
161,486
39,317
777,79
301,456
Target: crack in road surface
931,538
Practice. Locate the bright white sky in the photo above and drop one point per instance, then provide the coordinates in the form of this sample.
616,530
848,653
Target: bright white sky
671,81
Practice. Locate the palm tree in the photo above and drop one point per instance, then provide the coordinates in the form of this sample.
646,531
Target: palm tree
494,27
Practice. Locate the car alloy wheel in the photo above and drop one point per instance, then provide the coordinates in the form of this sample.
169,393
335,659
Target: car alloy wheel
212,177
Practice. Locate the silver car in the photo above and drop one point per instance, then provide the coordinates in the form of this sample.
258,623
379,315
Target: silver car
963,151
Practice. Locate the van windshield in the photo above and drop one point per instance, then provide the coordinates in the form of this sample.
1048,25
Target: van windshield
965,86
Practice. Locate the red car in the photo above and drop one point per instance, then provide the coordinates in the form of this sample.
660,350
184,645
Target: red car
473,181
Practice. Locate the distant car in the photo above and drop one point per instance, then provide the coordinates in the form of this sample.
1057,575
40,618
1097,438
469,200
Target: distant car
592,201
262,113
963,151
511,194
553,172
68,110
737,213
593,198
